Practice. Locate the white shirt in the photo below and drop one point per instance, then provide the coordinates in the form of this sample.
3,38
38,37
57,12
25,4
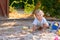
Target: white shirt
40,23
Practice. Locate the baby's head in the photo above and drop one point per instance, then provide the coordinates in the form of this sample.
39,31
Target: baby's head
39,14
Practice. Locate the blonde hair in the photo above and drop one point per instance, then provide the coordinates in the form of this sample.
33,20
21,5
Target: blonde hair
39,12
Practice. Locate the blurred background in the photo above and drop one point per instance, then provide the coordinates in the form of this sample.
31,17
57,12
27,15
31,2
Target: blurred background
24,8
51,8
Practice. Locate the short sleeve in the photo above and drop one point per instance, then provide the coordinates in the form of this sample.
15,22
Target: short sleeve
45,22
35,21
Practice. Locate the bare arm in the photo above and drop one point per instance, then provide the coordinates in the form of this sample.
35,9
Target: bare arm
34,27
45,26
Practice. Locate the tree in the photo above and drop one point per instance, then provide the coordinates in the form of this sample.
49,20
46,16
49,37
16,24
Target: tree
51,7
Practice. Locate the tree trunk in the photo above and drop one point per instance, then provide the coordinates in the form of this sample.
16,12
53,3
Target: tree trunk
36,7
2,7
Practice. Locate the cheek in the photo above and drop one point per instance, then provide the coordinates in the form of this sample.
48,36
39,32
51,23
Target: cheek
40,17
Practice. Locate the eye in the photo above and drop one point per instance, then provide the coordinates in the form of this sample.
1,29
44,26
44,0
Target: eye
40,15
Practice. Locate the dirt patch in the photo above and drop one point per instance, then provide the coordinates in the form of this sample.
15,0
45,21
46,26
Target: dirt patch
18,15
16,23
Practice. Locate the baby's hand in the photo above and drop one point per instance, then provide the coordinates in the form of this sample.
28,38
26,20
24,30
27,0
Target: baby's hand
33,29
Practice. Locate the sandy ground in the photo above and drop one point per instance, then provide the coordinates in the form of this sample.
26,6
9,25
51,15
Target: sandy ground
11,30
16,23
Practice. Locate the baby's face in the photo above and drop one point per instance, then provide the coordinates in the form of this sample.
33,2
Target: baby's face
39,16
